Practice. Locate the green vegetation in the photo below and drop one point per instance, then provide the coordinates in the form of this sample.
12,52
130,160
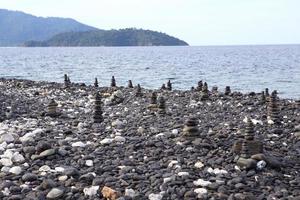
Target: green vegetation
123,37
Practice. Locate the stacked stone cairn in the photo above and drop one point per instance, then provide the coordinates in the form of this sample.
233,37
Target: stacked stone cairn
249,147
67,81
113,82
138,92
263,97
97,115
153,101
52,109
273,110
200,86
96,83
130,85
227,90
190,129
161,106
169,85
204,93
214,90
267,95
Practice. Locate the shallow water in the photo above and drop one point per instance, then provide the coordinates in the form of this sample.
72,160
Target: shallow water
244,68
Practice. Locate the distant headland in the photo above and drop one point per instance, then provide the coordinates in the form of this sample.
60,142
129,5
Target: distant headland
21,29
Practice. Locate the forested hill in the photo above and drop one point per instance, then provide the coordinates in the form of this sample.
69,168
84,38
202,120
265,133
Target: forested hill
18,27
122,37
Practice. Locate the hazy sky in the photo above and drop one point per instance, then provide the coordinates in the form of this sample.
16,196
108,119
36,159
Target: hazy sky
199,22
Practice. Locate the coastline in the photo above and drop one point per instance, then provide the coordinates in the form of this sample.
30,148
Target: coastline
138,150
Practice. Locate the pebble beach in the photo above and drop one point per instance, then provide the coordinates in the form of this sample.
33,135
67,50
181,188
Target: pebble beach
188,145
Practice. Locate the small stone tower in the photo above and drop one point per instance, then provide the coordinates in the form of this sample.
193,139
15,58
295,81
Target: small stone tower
250,146
153,99
96,83
52,109
263,97
227,90
199,86
161,105
163,87
204,93
130,85
190,128
97,115
67,81
214,90
113,82
138,92
169,85
273,110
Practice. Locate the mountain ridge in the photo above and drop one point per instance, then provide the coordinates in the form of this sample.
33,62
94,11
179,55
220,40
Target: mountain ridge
18,27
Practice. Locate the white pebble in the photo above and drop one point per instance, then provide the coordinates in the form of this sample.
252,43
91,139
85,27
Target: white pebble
199,165
6,162
106,141
175,132
173,162
63,178
201,182
155,196
200,191
183,174
59,169
15,170
91,191
89,163
130,192
78,144
17,157
44,168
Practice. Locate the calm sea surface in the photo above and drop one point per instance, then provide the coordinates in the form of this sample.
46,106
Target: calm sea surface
244,68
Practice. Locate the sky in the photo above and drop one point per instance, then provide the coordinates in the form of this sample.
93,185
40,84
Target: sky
198,22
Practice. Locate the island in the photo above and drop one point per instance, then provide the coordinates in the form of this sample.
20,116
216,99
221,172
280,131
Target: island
122,37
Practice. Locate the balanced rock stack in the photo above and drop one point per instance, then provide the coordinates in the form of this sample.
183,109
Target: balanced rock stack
113,82
227,90
190,129
263,97
273,110
67,81
96,83
161,106
249,147
214,90
169,85
130,85
138,91
97,115
52,109
153,101
267,95
200,86
204,93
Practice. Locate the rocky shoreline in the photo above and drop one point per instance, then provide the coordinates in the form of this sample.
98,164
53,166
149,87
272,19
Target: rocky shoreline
184,146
